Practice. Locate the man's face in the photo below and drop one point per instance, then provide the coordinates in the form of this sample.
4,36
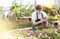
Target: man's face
39,11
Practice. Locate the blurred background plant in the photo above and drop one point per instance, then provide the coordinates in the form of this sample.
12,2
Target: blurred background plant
22,10
1,10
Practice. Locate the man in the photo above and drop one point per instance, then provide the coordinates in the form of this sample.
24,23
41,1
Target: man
39,17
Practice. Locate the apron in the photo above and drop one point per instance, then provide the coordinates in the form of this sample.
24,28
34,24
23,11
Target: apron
40,24
38,19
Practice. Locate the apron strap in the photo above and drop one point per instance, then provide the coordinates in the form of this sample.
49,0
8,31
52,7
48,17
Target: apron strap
37,15
41,15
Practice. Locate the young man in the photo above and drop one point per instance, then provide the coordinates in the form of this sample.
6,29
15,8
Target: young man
39,17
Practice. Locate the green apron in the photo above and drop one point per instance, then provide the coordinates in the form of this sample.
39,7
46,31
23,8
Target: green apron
40,24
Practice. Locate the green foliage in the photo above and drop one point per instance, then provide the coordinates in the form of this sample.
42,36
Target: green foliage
46,9
22,10
24,24
58,10
58,31
49,27
1,9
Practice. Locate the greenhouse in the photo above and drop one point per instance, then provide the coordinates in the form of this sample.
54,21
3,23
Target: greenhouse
29,19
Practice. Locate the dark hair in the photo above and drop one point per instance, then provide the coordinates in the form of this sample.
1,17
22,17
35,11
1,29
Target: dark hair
38,7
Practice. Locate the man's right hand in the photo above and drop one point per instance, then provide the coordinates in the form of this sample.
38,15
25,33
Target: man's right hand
43,20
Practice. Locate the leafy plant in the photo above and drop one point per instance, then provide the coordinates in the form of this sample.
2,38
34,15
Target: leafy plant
46,9
22,10
58,31
1,9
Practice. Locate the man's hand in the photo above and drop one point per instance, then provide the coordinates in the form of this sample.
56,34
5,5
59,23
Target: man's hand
43,20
